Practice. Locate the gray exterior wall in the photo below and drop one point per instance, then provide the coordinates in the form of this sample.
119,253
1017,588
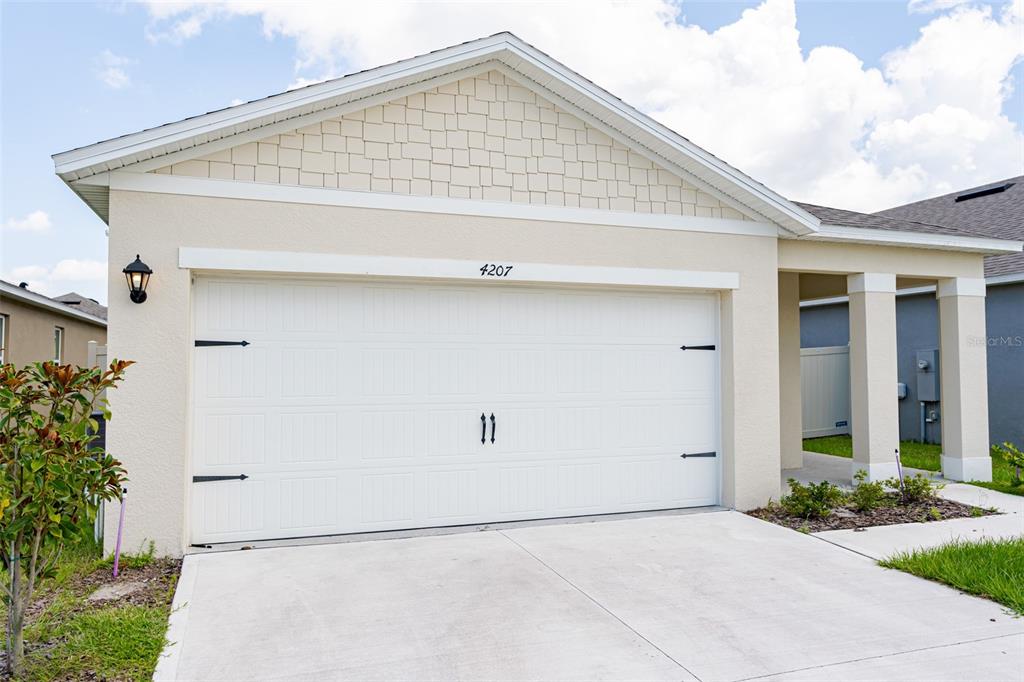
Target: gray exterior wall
917,328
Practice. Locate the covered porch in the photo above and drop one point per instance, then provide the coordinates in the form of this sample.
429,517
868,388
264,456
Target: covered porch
870,278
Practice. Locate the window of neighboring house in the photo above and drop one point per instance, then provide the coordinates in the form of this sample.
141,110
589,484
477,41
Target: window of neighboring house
3,338
58,344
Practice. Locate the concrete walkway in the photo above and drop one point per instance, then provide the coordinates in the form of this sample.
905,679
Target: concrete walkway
883,541
714,596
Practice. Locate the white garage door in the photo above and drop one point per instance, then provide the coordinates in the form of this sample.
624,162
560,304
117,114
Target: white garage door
376,405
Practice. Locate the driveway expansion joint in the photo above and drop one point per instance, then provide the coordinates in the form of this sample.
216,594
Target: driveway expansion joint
599,605
880,656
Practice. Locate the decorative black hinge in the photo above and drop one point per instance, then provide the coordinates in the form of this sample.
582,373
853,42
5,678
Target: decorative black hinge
200,343
698,454
207,479
708,347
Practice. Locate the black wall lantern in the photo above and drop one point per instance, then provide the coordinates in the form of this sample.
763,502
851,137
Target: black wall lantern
137,273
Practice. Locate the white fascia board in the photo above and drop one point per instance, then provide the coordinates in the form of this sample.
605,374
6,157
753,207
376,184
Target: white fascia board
230,189
39,301
137,147
860,235
287,262
1012,278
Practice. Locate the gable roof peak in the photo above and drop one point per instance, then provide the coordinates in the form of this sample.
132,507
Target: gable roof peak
532,67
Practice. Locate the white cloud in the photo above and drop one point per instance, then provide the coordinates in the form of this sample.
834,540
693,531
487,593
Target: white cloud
36,221
87,277
821,127
111,70
929,6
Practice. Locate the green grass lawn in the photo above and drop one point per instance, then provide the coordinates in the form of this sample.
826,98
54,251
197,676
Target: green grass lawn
918,456
68,637
990,568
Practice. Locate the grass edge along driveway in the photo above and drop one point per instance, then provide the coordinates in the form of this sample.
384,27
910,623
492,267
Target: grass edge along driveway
916,455
988,568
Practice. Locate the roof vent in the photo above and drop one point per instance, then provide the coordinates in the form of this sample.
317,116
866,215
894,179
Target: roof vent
23,285
984,191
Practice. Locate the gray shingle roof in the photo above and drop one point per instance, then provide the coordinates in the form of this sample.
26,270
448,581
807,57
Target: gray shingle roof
83,303
844,218
999,215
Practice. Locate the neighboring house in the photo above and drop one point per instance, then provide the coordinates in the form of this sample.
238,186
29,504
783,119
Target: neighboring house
34,328
992,210
473,287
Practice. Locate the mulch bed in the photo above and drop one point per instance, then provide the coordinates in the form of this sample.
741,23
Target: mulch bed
158,578
846,517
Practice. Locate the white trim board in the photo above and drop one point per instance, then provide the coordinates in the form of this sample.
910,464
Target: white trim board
239,260
995,281
863,235
230,189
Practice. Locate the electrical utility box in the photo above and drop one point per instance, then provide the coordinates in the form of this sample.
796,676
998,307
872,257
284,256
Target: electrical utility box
927,362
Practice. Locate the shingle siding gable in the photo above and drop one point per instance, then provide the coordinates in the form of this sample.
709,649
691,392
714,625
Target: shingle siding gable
485,138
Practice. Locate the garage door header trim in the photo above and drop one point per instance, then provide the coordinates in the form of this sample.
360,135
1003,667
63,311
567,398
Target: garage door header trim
241,260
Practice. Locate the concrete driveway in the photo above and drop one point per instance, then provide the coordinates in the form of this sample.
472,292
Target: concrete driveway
712,596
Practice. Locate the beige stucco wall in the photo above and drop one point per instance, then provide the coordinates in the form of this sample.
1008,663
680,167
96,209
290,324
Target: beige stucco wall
804,255
150,429
790,408
478,138
964,376
30,334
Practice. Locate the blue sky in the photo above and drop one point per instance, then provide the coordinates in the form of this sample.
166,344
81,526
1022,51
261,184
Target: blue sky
76,73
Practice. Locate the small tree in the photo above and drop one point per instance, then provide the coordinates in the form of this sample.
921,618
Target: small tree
1013,456
52,477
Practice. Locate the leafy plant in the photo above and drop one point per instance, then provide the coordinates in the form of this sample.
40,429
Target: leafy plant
1013,456
935,514
867,495
918,488
811,501
52,477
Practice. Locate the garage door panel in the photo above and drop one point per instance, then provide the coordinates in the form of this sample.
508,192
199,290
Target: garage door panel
357,407
387,434
224,306
307,438
230,440
226,510
453,432
221,373
387,498
451,496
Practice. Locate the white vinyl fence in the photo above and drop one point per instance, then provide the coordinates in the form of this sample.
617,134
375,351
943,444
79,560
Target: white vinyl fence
825,390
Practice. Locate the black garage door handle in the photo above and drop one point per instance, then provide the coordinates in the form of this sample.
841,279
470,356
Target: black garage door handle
483,428
493,425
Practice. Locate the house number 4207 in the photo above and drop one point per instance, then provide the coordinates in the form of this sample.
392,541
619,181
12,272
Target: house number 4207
493,270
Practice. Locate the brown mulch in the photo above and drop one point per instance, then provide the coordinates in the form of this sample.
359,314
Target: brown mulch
158,578
846,517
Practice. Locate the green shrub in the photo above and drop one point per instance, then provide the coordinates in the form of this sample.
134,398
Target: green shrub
867,496
918,488
1013,456
811,501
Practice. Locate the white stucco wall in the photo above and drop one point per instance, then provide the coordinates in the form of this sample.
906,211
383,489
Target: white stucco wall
150,429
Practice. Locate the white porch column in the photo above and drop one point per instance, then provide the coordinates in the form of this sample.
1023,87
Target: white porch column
963,374
790,408
874,407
